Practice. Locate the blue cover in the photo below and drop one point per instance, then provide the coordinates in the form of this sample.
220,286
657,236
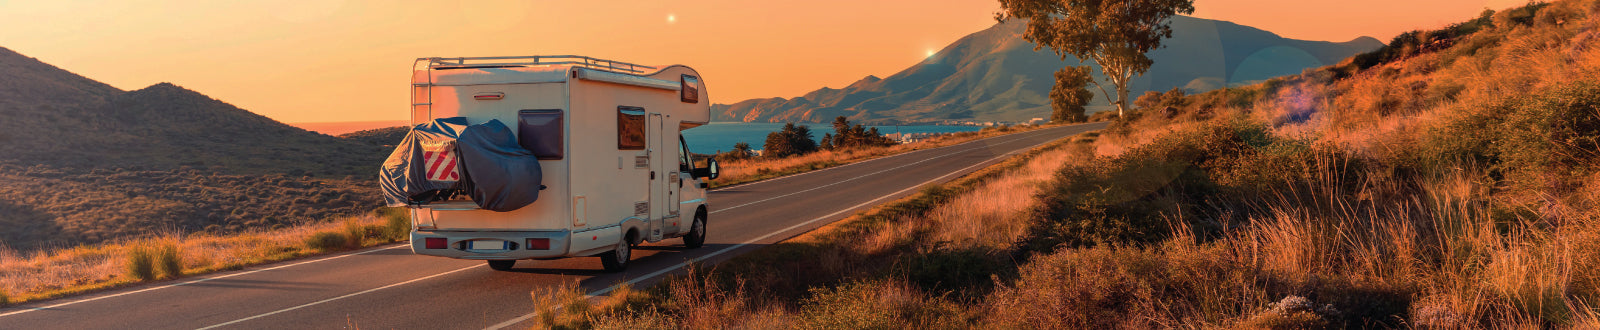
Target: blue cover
504,176
404,175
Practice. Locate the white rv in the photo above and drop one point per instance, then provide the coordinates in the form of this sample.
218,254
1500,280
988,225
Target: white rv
616,170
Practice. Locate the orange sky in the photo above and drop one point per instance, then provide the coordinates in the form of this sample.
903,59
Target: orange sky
318,61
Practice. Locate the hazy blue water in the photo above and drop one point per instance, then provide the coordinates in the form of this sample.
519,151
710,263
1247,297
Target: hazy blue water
712,137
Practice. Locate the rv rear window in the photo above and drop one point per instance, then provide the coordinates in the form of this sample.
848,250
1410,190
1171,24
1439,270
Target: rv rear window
540,131
690,90
630,128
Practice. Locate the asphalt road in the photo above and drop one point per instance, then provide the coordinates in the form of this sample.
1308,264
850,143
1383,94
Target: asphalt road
389,287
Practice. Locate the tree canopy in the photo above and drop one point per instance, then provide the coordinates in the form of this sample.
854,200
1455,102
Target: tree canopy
1115,34
1070,95
792,140
847,136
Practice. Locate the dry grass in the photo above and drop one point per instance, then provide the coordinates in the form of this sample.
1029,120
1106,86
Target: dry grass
850,274
49,274
1451,189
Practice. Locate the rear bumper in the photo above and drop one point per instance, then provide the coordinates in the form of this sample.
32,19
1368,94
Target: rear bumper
458,244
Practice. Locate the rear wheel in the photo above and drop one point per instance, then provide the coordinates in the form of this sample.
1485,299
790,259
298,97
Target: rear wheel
697,232
617,260
501,264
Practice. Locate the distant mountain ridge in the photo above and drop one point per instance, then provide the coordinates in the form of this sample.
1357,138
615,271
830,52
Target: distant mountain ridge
995,74
58,118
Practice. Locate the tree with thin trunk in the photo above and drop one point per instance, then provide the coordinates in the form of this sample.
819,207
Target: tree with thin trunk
1114,34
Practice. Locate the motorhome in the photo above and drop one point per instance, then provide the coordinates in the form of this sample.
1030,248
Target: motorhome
616,171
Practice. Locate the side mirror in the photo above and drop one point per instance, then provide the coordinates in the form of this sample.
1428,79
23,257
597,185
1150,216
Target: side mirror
711,171
711,166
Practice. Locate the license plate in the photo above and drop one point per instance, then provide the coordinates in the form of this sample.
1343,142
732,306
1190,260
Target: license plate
488,245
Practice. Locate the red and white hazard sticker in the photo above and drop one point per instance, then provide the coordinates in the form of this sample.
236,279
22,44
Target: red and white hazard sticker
441,162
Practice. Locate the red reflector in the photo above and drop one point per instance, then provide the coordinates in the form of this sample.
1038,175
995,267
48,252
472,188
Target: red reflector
538,244
434,243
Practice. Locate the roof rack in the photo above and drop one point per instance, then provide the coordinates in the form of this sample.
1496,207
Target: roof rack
506,61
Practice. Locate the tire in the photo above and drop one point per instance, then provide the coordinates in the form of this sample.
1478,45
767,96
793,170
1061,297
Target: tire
617,260
501,265
697,232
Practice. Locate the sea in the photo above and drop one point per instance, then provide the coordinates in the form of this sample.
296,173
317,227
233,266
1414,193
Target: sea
714,137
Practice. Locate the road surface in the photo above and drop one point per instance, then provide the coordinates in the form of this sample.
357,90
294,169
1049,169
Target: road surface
389,287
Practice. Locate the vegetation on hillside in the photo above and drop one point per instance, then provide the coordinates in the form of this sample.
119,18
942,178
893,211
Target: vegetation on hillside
62,207
1452,187
386,137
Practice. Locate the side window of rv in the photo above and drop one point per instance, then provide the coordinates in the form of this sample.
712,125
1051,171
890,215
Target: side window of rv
683,155
630,128
540,131
690,91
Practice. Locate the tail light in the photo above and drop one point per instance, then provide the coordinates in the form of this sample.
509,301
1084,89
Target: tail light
434,243
538,244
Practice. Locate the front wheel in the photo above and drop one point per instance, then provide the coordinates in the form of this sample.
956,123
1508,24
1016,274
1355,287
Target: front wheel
501,264
697,232
617,260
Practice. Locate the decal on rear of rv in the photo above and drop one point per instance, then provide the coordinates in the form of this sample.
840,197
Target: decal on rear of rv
441,161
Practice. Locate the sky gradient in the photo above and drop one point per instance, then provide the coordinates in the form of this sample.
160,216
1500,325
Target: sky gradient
325,61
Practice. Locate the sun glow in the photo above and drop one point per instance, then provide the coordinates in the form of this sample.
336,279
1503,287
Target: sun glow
929,53
672,18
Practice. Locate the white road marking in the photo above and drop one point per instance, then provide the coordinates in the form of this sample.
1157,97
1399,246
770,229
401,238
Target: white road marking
888,157
636,280
597,292
862,176
337,298
197,281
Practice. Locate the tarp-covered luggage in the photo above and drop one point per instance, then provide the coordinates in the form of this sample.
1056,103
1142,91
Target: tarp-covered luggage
424,164
504,176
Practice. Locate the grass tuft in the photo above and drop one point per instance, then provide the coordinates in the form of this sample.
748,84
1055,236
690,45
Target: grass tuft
140,264
170,258
327,241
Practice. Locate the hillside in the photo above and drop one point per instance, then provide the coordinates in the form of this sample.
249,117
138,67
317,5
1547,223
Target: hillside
62,119
994,74
1449,180
387,137
86,162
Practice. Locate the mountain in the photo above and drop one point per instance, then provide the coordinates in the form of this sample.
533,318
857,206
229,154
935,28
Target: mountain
995,74
58,118
84,162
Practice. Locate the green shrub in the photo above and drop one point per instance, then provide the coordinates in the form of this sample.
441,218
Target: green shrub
849,306
1556,133
327,240
140,264
355,232
967,273
5,299
170,260
397,223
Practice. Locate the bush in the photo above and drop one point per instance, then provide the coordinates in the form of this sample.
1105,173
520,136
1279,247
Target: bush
850,306
1556,133
355,232
327,241
965,272
397,223
141,263
170,260
5,299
